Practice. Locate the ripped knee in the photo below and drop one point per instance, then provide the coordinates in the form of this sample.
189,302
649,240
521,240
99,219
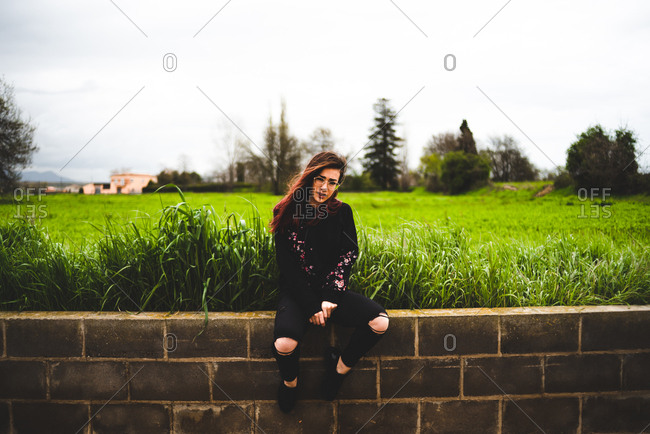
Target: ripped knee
379,325
285,346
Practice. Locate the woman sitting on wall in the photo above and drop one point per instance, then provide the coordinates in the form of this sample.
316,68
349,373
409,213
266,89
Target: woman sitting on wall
316,246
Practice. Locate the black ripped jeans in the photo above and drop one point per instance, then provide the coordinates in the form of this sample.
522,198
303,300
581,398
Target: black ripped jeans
353,310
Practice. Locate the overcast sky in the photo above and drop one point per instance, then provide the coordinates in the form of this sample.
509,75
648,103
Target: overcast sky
91,76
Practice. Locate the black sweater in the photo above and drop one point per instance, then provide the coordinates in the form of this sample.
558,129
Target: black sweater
315,261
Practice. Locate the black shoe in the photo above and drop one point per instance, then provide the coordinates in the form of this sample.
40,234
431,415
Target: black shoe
332,380
287,397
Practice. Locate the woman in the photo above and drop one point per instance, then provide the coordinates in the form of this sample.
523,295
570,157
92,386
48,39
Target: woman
316,246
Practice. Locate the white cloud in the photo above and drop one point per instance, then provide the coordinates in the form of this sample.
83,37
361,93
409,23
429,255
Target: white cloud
553,67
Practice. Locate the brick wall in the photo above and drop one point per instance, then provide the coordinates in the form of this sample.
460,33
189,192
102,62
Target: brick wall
561,369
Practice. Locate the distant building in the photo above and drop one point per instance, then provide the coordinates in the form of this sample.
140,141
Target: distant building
131,183
121,183
72,188
99,188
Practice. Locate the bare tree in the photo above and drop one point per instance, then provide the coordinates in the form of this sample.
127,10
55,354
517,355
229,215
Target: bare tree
231,147
441,144
184,162
507,161
321,140
281,157
405,177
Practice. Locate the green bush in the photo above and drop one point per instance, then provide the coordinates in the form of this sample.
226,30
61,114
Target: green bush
462,171
598,160
642,183
430,168
562,180
361,182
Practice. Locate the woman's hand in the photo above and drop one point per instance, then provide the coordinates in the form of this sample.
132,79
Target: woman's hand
318,319
327,308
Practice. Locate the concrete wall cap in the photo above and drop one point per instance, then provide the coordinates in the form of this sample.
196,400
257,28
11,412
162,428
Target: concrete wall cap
483,311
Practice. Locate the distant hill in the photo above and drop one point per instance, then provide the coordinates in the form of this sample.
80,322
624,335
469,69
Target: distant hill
49,176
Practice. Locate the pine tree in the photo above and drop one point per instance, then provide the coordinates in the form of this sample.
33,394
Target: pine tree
381,159
466,141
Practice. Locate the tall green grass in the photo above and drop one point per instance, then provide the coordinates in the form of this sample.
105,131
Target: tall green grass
192,259
428,267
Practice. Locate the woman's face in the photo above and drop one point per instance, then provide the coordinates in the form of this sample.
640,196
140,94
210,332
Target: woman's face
324,185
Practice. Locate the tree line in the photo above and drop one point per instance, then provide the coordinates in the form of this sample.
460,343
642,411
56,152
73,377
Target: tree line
451,162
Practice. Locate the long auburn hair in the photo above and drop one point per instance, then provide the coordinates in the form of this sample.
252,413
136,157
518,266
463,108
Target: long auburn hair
299,186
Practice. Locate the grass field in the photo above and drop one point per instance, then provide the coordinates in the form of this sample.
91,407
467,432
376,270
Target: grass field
489,214
165,252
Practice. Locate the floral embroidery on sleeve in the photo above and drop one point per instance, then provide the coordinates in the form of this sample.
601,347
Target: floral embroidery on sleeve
336,277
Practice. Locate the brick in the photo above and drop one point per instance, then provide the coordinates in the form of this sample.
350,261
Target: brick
261,337
419,378
498,375
310,375
88,380
44,338
521,334
378,418
361,383
615,414
4,417
459,417
223,337
636,375
130,418
245,380
169,381
399,339
582,373
50,418
201,419
549,415
315,340
22,379
616,331
128,338
307,417
450,335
